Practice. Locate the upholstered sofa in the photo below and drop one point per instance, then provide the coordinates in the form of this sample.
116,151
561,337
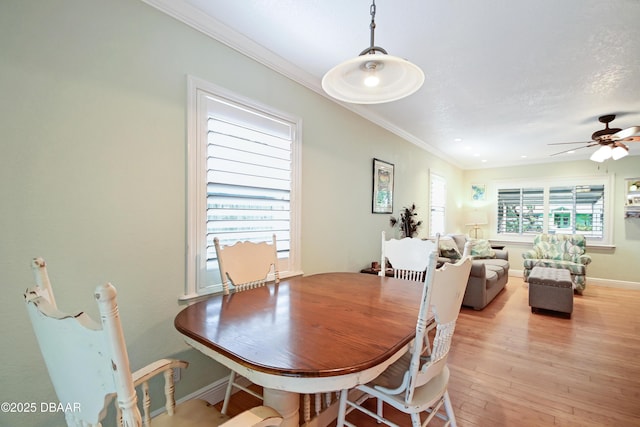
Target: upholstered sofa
489,272
559,251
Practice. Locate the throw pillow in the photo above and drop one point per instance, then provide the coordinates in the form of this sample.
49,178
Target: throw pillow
449,249
481,248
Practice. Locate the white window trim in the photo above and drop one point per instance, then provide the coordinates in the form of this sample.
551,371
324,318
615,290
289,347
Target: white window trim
441,177
609,203
196,183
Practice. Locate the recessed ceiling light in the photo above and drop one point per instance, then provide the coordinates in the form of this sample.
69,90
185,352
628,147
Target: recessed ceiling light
484,160
457,140
571,151
524,156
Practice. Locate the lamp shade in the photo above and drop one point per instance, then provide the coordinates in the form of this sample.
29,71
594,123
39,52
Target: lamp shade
476,217
373,79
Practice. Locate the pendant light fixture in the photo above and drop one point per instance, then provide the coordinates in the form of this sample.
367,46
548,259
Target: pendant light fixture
374,76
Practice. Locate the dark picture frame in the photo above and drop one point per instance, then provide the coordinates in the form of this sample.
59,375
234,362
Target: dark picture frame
383,177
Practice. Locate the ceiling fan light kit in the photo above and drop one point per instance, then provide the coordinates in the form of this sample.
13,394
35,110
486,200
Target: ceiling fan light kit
610,140
373,77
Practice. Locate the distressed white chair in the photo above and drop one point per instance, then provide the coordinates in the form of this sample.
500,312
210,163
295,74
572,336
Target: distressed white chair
89,367
408,257
245,265
415,384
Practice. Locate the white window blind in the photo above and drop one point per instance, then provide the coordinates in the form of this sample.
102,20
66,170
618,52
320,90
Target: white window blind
438,203
248,181
577,209
243,179
520,210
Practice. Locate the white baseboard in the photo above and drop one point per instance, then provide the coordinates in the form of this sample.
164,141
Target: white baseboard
594,281
212,393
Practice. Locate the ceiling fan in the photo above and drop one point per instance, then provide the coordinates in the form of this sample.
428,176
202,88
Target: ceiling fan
612,141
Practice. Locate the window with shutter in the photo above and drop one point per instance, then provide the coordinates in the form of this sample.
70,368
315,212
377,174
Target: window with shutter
574,207
243,164
577,209
438,203
520,210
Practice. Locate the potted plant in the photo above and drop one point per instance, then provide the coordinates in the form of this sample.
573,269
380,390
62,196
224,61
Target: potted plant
407,223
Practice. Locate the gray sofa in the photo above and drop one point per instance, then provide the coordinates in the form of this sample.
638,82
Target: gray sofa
489,272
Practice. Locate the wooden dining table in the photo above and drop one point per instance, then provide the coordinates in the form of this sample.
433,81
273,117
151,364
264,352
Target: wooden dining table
308,334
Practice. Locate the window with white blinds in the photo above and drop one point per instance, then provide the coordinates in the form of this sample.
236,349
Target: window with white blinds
244,182
520,210
438,203
577,209
576,206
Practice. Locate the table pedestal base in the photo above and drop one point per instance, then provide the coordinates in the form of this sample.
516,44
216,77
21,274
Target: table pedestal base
286,403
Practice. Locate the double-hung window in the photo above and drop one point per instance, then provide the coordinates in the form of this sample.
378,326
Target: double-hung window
564,206
242,181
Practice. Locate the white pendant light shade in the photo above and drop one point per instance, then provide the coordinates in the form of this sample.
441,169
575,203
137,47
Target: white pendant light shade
373,79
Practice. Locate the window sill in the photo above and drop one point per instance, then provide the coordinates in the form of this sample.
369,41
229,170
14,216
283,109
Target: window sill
519,242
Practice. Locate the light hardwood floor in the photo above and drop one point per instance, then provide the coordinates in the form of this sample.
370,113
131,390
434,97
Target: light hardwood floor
510,367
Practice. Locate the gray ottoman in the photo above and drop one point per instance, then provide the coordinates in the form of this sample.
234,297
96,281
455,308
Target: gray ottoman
551,289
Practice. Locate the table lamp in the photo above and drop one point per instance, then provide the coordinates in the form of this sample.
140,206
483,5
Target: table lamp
475,219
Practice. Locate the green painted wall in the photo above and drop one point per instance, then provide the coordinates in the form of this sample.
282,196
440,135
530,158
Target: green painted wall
92,174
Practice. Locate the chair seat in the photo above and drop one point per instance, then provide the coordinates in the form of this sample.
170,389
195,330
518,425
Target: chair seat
573,267
192,413
198,413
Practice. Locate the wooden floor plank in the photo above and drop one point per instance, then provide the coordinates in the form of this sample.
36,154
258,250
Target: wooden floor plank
510,367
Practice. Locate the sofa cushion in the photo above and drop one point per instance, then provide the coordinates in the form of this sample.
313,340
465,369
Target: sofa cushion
449,249
503,263
497,269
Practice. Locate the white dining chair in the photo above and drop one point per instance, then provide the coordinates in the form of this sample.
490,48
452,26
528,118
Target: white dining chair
89,367
409,256
245,265
417,384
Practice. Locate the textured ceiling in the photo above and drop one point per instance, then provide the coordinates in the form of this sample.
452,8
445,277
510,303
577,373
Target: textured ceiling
503,79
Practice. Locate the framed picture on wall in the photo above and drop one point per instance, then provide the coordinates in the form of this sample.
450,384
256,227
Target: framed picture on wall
382,199
478,191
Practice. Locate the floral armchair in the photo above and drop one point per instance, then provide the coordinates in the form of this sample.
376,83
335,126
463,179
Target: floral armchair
559,251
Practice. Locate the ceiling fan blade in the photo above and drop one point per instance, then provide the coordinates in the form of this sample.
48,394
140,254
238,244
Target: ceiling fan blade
630,139
574,149
625,133
576,142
